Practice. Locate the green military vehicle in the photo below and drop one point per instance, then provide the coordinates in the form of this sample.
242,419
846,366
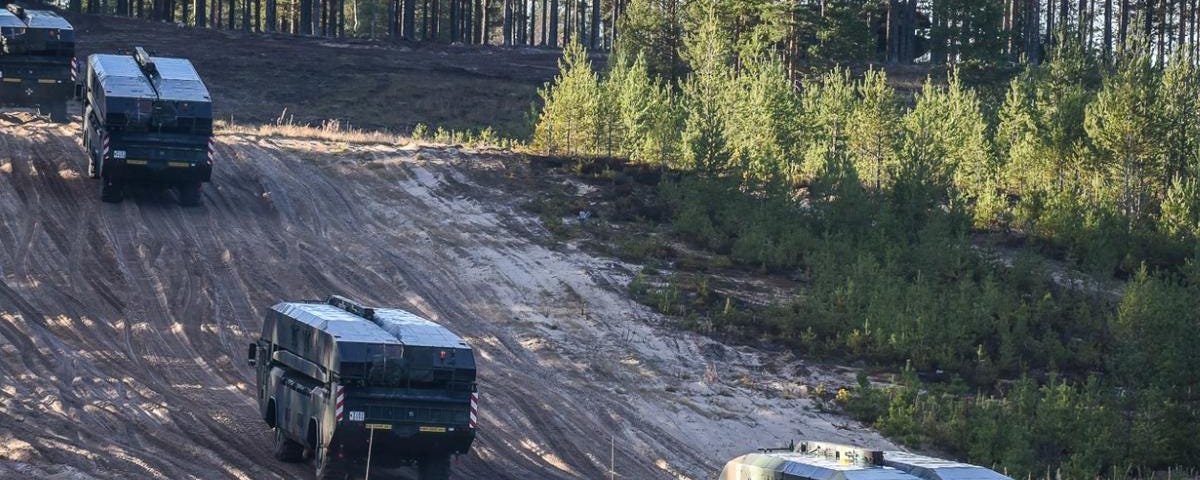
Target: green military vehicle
361,389
828,461
147,120
37,61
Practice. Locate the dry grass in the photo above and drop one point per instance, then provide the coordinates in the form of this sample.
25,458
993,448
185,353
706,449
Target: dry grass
329,130
285,126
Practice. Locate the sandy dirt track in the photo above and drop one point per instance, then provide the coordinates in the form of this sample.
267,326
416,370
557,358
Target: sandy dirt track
123,327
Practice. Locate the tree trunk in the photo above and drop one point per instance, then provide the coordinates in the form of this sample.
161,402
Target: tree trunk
409,20
246,15
201,13
554,23
306,11
1108,36
483,22
435,20
507,28
1033,40
595,24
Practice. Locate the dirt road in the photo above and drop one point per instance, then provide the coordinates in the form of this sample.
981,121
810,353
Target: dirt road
123,327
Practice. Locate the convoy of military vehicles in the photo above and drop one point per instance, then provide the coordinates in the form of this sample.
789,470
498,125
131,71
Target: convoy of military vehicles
347,386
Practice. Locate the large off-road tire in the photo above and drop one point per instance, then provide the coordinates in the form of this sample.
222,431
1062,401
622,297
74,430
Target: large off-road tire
58,112
111,192
284,449
434,467
329,469
189,194
93,167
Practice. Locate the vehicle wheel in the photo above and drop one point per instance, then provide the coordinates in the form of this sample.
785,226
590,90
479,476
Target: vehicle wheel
58,113
111,192
329,469
189,194
286,450
93,171
434,467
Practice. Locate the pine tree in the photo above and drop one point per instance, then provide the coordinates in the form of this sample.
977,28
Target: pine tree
947,131
570,120
704,93
1122,125
826,105
762,126
645,123
873,140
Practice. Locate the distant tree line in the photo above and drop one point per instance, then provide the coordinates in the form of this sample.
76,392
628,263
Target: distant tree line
801,31
506,22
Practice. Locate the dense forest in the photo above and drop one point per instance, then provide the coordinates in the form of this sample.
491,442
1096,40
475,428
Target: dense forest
881,204
895,31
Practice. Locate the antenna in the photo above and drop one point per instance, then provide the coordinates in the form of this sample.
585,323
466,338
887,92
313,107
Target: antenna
145,61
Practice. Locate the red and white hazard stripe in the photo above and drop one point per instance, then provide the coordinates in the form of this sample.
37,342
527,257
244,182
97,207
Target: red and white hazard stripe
74,69
212,155
340,402
474,410
104,146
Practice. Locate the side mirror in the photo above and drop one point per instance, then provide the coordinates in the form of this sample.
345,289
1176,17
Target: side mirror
252,355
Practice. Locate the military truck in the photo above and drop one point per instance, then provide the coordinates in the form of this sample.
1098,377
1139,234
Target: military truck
360,389
147,120
812,460
37,61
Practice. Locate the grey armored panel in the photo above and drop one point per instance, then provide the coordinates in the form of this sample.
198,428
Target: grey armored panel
46,19
119,85
8,20
36,32
120,77
799,466
178,81
416,331
326,335
169,95
930,468
372,345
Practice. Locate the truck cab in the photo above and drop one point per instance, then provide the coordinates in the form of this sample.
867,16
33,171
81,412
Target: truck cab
357,388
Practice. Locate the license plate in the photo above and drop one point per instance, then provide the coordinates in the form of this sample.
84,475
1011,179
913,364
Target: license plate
179,164
379,426
433,429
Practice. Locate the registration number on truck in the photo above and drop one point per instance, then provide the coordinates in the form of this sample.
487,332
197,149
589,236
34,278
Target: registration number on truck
357,416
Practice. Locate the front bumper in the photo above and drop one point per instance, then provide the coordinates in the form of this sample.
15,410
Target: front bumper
34,92
399,444
156,171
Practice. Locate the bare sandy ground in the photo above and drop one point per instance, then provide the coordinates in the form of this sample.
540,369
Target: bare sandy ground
123,327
